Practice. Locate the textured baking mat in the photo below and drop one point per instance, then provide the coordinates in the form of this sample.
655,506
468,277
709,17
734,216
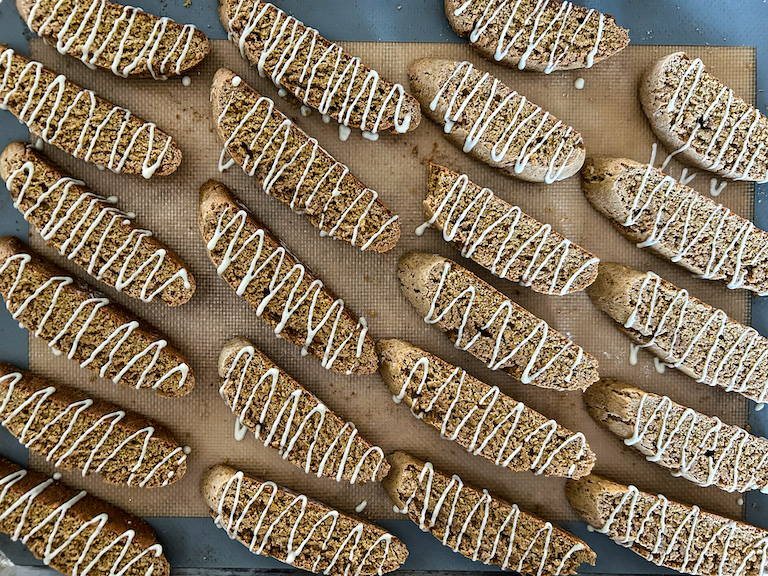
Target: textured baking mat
608,115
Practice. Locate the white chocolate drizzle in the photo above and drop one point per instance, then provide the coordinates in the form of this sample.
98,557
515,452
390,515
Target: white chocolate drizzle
90,441
265,505
287,273
329,174
45,104
301,50
88,312
515,111
544,243
81,543
262,401
49,206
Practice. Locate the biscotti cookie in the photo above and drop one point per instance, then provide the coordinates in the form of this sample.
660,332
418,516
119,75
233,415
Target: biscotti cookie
540,35
86,326
317,72
293,168
677,223
480,526
668,533
80,123
273,521
285,416
123,39
697,447
502,238
74,532
481,320
73,430
480,417
284,293
703,121
686,333
91,232
494,124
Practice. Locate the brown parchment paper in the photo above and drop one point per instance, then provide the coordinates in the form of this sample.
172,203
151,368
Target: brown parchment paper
608,115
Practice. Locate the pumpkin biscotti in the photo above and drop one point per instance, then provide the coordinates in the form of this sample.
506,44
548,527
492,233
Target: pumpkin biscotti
293,168
317,72
502,238
684,332
494,124
123,39
80,123
91,232
284,293
86,326
677,223
481,320
480,417
281,413
540,35
668,533
74,532
703,121
74,431
480,526
292,528
698,447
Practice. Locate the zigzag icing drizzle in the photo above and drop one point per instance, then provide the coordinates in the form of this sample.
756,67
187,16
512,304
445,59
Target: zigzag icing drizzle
479,517
512,105
70,443
88,28
58,219
507,313
546,432
539,30
52,95
282,277
668,546
744,378
539,263
310,427
113,343
333,176
303,45
327,526
723,441
56,543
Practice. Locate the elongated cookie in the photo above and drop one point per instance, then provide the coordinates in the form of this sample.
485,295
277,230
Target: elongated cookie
317,72
698,447
481,320
540,35
73,532
502,238
690,335
90,231
677,223
285,416
668,533
123,39
480,526
293,168
80,123
284,293
73,430
86,326
307,534
494,124
703,121
480,417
